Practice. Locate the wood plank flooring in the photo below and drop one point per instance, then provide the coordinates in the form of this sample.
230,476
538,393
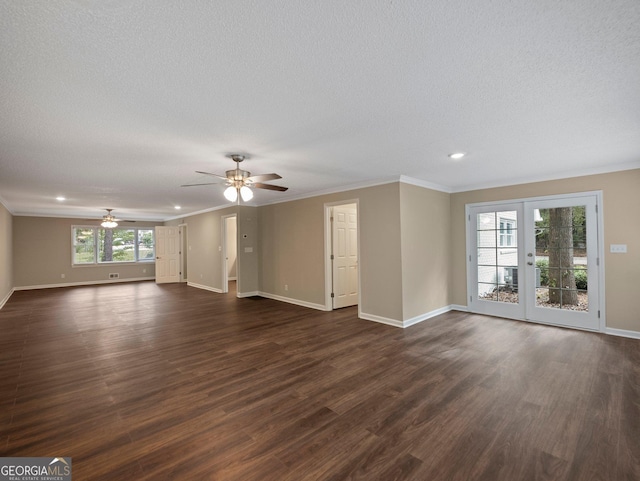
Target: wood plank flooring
165,382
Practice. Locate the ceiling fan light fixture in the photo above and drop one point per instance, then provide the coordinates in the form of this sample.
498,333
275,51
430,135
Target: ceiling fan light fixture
109,224
109,221
246,193
231,193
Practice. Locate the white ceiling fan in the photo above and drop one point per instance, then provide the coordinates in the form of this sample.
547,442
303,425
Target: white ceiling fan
241,182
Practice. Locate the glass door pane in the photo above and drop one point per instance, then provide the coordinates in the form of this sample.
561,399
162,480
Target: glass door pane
561,258
497,256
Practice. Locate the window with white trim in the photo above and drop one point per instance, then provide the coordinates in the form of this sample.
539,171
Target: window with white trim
95,245
507,237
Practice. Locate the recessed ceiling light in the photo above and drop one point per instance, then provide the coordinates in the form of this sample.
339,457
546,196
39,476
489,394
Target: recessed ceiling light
457,155
60,198
177,207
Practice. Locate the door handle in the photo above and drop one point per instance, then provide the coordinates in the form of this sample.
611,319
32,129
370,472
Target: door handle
529,263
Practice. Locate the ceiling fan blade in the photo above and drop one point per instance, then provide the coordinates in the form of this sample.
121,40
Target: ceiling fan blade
263,177
260,185
213,175
195,185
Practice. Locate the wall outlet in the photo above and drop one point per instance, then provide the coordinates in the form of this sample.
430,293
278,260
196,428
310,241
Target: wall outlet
144,271
61,276
286,287
618,248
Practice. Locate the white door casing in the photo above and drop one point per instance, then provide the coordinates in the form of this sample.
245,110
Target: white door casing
345,255
167,254
229,249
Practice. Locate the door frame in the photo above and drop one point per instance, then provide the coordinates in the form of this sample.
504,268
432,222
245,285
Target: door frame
328,271
223,250
600,248
183,253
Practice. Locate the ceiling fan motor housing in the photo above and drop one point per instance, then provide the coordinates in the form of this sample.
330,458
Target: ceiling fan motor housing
237,177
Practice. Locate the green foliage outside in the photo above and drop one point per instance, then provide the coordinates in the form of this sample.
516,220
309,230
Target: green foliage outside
581,277
579,229
580,273
120,243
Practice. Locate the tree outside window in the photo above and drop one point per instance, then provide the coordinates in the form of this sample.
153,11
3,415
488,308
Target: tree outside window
94,245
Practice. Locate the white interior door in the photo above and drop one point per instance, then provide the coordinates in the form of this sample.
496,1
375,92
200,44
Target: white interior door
536,260
345,255
167,254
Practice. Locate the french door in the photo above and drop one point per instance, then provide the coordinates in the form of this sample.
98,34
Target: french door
536,260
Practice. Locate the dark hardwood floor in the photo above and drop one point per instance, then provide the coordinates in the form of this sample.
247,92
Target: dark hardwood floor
145,382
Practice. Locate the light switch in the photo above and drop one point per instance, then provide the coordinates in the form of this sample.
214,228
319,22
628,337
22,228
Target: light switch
248,249
618,248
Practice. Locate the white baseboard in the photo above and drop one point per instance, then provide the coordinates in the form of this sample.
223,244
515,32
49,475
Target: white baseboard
413,320
297,302
83,283
206,288
459,307
247,294
380,319
425,316
622,333
4,301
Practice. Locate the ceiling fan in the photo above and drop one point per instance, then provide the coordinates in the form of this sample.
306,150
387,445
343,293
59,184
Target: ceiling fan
240,181
108,220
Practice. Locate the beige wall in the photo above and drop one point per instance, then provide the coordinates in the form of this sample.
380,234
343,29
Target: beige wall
204,260
621,204
248,253
292,238
412,247
204,241
6,253
425,217
42,254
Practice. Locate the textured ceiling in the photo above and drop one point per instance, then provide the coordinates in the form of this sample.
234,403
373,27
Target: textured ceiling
115,103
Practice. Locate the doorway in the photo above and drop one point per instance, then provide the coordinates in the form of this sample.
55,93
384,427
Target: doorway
342,248
229,250
538,260
184,256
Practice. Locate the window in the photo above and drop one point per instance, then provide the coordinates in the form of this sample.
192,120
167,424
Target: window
84,245
507,233
94,245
